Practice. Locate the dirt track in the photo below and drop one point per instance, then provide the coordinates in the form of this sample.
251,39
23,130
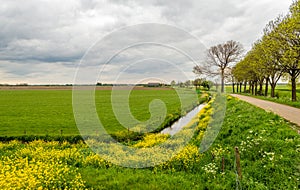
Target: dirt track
289,113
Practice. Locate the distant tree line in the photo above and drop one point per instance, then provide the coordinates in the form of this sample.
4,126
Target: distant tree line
197,83
143,85
103,84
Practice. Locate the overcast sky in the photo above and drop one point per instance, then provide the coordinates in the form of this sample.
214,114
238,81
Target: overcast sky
42,42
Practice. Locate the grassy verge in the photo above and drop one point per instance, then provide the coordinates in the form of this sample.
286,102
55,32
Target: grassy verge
269,153
269,148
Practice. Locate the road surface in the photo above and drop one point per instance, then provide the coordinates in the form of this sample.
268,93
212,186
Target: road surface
289,113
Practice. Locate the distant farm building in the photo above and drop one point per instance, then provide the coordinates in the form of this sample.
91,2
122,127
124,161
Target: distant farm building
154,84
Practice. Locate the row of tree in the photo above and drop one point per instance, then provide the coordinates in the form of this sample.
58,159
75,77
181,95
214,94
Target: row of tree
199,82
274,56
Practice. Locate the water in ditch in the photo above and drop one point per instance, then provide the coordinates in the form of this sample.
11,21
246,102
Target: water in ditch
183,121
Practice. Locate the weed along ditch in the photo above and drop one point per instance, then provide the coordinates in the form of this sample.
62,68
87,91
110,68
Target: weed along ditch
183,121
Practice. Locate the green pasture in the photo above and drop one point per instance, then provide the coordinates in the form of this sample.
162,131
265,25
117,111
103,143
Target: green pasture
49,112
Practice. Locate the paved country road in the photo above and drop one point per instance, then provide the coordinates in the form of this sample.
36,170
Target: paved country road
289,113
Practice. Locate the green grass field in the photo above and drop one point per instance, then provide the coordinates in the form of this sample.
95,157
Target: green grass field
47,112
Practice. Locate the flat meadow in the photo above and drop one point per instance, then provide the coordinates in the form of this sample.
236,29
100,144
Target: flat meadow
49,111
269,149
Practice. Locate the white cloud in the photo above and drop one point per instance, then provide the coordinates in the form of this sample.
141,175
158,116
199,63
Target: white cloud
43,41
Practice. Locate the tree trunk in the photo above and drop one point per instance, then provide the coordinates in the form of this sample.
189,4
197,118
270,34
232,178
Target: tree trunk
233,90
249,83
256,88
252,87
273,90
217,86
245,86
261,83
267,86
294,89
222,81
241,84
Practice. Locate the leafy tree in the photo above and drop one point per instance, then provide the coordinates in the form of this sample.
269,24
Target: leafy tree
241,72
197,83
206,84
268,61
188,83
277,52
288,35
173,83
249,68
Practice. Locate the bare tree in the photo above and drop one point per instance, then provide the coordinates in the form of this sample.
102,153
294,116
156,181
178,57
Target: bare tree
220,57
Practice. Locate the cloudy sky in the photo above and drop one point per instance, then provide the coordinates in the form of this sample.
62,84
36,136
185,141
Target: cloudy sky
44,41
